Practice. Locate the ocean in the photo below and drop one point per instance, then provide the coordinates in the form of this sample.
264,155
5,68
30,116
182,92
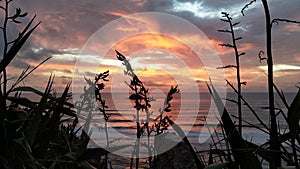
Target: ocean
122,114
193,120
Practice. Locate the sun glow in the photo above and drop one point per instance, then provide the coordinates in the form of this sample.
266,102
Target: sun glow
156,57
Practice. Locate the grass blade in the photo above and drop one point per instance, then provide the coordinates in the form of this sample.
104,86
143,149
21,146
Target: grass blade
241,151
16,47
32,129
179,131
294,116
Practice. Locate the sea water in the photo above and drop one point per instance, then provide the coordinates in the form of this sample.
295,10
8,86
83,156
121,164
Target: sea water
123,114
193,120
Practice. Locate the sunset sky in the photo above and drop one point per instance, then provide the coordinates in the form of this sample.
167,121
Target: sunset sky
67,26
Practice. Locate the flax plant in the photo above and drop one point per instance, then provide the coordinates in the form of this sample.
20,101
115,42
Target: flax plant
274,134
234,39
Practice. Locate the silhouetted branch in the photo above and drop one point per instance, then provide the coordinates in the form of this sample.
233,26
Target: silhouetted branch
277,20
238,38
260,56
225,31
227,45
227,66
244,83
247,6
235,24
226,15
247,104
237,66
241,54
17,15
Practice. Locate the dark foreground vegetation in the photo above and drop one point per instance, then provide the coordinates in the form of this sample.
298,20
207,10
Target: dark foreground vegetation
46,134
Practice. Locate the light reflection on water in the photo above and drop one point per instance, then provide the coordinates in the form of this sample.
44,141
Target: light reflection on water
123,121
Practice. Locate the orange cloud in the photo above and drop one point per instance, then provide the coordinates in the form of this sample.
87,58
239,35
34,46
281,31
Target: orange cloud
143,41
115,13
162,47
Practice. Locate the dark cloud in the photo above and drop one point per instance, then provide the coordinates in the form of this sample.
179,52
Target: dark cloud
19,63
158,6
37,54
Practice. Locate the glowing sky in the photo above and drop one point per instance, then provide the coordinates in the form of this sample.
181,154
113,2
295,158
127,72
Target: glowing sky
67,25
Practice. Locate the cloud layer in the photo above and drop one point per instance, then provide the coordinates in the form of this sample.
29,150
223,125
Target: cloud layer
67,25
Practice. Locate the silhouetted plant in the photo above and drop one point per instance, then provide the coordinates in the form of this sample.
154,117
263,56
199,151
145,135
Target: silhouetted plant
141,100
161,124
275,144
249,107
181,134
37,134
11,47
142,103
242,153
99,86
85,108
232,25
